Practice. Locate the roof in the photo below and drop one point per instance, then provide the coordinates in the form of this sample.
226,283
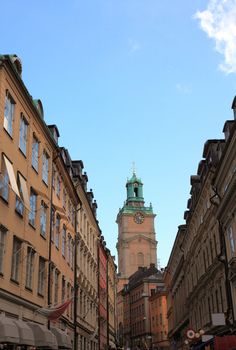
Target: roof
134,179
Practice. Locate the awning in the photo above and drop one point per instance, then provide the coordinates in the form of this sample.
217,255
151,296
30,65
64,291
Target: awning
63,340
24,192
11,175
43,337
9,332
25,333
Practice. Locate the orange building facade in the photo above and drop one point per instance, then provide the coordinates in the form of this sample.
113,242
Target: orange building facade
158,316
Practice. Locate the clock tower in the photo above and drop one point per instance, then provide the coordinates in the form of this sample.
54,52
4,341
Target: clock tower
136,244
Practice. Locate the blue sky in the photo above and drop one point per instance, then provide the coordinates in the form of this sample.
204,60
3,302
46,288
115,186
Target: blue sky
144,81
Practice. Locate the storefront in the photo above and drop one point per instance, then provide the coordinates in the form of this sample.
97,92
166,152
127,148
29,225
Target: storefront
18,334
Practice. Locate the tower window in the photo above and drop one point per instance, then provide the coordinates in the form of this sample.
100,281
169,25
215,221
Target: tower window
136,192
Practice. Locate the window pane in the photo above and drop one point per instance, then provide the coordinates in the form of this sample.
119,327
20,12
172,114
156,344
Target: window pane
23,134
16,253
8,114
45,167
3,232
32,213
35,153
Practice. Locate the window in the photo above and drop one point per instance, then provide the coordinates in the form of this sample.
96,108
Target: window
231,240
15,264
3,232
29,267
4,183
64,199
41,276
35,153
43,219
33,202
57,238
23,134
63,289
45,167
68,248
53,225
56,287
19,202
58,187
72,254
63,248
9,113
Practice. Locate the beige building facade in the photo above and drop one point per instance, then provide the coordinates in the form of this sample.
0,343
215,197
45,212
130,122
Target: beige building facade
201,285
27,151
49,232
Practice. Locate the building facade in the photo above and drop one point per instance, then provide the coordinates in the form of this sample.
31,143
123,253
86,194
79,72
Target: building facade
158,318
103,296
111,294
88,233
201,285
137,243
49,233
137,309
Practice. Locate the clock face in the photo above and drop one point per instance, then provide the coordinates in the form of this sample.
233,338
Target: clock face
139,218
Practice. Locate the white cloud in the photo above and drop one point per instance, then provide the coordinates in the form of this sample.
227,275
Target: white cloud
182,88
219,22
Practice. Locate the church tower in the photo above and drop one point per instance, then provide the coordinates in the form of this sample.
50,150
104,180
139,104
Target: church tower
136,244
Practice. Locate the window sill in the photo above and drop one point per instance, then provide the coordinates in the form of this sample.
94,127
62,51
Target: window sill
19,214
23,154
29,289
34,169
44,237
45,183
8,133
14,281
40,295
5,201
32,226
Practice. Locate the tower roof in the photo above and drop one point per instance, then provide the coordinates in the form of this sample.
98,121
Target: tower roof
134,179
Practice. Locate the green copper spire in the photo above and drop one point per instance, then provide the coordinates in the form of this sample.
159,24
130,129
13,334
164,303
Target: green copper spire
135,199
134,189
